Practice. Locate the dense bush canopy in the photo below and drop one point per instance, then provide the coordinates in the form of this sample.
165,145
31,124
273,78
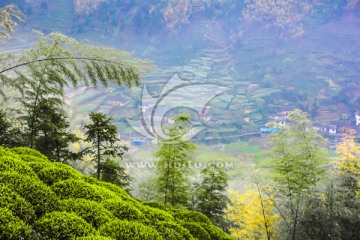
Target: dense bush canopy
41,199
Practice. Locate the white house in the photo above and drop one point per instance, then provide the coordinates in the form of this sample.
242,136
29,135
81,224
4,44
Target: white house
357,117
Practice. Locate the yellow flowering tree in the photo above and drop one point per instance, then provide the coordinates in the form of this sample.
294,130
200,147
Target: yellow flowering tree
252,213
348,164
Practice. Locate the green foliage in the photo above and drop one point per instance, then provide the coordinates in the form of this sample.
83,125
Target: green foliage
154,214
93,212
211,194
10,16
30,159
298,154
79,189
6,152
38,165
123,210
105,144
196,230
114,188
12,227
112,172
41,74
87,205
215,232
9,163
48,131
17,204
63,225
155,205
32,190
173,167
190,216
171,230
127,230
9,135
94,237
24,153
51,175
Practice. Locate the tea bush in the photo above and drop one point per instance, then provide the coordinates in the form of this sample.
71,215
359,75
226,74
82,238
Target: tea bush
93,212
63,225
126,230
12,227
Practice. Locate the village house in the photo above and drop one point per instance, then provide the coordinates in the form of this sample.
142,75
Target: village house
281,117
357,117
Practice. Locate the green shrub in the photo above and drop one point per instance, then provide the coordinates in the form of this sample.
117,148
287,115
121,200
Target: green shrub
155,205
94,237
123,210
190,216
12,227
196,230
32,190
93,212
18,205
171,230
51,175
126,230
67,167
38,166
24,152
79,189
154,214
63,225
215,232
6,152
11,163
168,233
30,158
116,189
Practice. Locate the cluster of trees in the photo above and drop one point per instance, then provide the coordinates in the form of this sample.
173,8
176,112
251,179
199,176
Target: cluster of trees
172,185
305,198
33,102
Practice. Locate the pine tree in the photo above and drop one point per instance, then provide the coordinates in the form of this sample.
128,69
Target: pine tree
173,167
105,145
51,132
211,194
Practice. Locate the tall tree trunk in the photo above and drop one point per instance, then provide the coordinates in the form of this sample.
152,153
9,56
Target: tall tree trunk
263,213
33,116
296,217
57,150
98,158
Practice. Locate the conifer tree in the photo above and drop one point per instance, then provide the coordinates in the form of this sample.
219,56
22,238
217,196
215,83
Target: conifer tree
173,167
211,194
51,132
105,145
